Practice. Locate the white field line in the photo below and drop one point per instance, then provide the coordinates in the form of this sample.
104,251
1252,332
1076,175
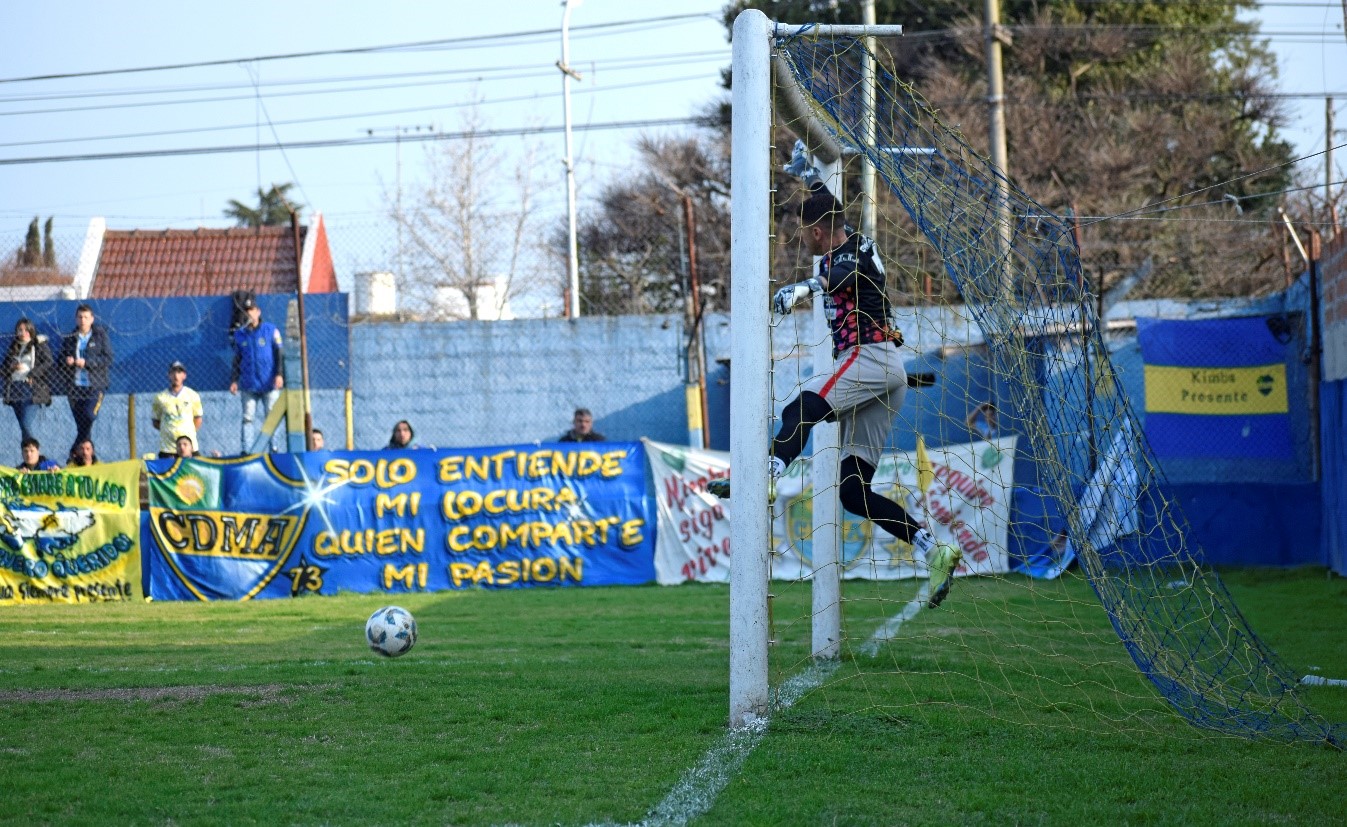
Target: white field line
696,792
1315,680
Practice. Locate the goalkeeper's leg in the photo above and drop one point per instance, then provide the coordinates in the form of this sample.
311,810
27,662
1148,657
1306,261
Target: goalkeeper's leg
797,420
859,497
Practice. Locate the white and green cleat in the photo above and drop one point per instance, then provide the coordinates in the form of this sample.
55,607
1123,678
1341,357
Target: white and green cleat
942,559
721,488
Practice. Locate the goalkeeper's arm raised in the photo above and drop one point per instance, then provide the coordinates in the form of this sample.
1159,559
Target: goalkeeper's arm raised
792,294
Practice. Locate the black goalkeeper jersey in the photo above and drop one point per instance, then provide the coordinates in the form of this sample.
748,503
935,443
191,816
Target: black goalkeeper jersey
856,307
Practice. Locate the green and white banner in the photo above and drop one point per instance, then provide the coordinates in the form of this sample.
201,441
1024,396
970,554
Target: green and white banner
961,492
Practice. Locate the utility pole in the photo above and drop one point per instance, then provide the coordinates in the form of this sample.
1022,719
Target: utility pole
995,36
1328,163
573,245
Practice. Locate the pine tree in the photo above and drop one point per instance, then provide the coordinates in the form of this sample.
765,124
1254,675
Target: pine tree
31,254
48,247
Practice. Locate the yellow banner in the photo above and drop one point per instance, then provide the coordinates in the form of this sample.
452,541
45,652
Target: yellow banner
1216,391
70,536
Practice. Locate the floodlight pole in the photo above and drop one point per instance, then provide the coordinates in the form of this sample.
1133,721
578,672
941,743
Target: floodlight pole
573,244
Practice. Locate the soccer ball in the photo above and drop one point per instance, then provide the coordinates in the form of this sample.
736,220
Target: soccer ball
391,631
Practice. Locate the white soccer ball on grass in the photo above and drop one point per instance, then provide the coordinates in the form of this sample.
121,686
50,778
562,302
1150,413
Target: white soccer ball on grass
391,631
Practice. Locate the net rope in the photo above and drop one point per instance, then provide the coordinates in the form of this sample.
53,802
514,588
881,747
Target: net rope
1018,273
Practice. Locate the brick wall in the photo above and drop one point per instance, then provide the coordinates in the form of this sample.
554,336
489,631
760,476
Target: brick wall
1333,307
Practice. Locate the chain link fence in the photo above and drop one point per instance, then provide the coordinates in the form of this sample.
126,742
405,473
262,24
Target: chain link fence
421,336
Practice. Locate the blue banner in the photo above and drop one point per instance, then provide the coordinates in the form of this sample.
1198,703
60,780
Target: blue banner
287,525
1217,388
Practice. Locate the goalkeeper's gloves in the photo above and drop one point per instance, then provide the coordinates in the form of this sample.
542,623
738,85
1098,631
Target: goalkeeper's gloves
801,167
787,297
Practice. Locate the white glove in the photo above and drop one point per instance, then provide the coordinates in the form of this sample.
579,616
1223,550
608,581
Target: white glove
787,297
801,166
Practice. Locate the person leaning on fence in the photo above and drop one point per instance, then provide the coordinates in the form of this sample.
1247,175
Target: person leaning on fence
82,455
582,428
176,412
26,367
86,354
33,459
864,389
258,372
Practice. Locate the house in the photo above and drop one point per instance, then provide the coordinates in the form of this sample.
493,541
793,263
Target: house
34,284
203,261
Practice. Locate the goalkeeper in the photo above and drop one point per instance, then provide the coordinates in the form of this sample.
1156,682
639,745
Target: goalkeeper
865,387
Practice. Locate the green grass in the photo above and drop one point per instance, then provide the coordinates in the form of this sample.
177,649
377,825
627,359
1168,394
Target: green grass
1009,705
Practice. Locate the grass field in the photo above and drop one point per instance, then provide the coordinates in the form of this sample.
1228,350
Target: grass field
589,706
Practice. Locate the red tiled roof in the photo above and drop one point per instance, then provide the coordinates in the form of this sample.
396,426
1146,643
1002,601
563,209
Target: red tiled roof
203,262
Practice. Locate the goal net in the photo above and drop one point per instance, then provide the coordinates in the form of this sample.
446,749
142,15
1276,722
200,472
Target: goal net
1093,608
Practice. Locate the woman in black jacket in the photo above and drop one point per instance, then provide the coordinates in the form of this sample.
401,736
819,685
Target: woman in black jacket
26,367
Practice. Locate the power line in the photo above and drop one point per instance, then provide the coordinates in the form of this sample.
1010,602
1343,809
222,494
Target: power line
549,71
391,47
609,64
347,116
367,140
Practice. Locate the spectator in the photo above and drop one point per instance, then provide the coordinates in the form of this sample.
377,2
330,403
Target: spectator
86,354
26,366
257,375
186,448
402,437
176,412
316,442
582,428
82,454
33,459
981,420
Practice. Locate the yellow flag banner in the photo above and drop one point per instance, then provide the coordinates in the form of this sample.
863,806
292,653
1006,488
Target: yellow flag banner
70,536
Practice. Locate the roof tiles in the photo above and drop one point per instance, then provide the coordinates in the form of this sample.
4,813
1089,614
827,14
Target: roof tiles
200,262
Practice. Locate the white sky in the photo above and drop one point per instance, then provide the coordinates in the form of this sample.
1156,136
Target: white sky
647,71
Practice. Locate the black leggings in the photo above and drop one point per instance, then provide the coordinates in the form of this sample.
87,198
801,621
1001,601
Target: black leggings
859,498
797,420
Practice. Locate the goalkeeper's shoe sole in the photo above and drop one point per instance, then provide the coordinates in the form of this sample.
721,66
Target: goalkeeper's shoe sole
721,488
942,561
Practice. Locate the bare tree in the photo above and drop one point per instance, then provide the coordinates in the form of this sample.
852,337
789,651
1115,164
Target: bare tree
637,246
469,228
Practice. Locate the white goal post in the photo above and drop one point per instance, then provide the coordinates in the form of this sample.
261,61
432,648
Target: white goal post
750,354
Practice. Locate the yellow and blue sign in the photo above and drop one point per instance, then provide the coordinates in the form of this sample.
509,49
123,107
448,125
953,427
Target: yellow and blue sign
286,525
1216,388
70,536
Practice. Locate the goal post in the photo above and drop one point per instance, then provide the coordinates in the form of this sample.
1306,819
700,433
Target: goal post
750,355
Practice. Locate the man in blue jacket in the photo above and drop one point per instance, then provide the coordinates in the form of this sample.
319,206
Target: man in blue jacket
86,355
257,375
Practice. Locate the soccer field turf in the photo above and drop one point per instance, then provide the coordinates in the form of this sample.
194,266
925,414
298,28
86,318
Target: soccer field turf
580,706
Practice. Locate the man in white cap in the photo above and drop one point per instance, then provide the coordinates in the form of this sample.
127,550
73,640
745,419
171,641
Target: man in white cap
176,412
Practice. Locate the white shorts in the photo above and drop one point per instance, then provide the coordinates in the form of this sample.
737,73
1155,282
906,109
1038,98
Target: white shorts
866,390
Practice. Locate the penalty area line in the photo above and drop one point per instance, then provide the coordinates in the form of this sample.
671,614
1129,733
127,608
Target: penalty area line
696,792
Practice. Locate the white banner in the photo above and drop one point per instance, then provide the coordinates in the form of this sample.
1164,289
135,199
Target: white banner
966,503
